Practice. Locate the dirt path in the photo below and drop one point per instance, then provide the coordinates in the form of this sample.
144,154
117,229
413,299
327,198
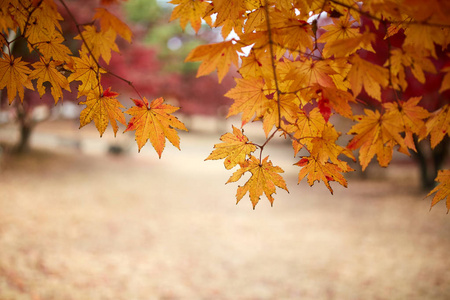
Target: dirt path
75,226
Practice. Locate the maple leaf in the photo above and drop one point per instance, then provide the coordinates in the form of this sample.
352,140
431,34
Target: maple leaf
288,110
423,38
341,39
87,71
411,116
14,76
291,30
154,121
438,125
376,134
234,149
46,72
369,75
442,190
325,148
42,22
317,171
229,15
408,57
264,179
306,73
52,47
103,108
255,19
249,99
338,100
256,64
189,11
108,20
100,43
446,80
215,56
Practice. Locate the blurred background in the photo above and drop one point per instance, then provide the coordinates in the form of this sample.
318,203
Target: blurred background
83,217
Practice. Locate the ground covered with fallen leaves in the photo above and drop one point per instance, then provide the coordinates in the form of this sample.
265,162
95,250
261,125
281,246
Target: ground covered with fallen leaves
76,223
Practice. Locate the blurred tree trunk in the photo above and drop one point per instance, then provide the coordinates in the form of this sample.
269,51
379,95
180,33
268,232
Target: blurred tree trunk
430,160
26,125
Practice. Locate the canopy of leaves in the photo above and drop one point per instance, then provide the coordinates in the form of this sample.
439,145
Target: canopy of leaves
300,65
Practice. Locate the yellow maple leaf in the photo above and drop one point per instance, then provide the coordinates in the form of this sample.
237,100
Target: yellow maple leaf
438,125
103,108
87,71
288,110
369,75
376,134
229,15
317,171
249,99
100,43
46,72
341,39
154,121
215,56
306,73
234,149
442,190
324,148
255,19
14,76
264,179
52,47
108,20
189,11
291,31
256,64
42,22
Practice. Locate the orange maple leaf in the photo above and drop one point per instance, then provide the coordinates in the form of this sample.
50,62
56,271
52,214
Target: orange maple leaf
154,121
215,56
317,171
376,134
234,149
442,190
411,116
103,109
339,100
264,179
189,11
108,20
14,76
369,75
47,72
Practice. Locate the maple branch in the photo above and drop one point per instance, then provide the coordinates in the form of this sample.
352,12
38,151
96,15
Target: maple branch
272,59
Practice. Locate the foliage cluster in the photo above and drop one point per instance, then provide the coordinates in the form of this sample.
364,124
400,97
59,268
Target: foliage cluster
301,64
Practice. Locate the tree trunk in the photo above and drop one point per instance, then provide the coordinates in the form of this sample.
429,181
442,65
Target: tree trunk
26,128
430,161
23,145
